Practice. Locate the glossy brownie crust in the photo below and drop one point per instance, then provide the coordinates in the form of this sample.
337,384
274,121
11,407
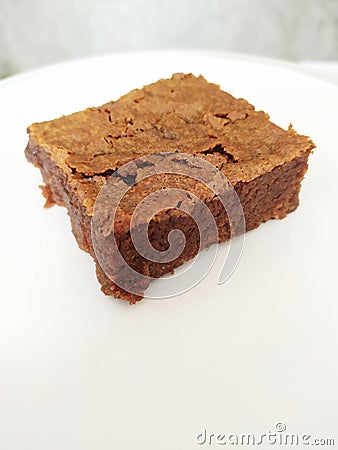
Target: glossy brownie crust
76,154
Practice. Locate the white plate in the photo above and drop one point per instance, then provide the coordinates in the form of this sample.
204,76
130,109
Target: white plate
83,371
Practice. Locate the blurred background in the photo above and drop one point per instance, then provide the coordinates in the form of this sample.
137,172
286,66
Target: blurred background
34,33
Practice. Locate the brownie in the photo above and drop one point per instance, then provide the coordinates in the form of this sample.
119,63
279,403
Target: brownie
81,153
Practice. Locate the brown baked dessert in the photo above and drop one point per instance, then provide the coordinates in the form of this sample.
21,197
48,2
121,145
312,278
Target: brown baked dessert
79,153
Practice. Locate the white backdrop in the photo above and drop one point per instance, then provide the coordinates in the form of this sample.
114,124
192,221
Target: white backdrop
39,32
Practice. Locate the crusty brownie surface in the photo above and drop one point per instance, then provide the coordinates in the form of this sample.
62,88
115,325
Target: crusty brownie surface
77,154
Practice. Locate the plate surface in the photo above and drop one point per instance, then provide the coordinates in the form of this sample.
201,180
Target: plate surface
81,371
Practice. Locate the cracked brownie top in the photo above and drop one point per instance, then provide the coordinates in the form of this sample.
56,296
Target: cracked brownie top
182,114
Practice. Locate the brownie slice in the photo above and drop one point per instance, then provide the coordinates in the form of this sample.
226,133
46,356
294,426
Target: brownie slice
78,154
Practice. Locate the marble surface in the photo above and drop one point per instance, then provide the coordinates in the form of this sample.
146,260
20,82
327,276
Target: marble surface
39,32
